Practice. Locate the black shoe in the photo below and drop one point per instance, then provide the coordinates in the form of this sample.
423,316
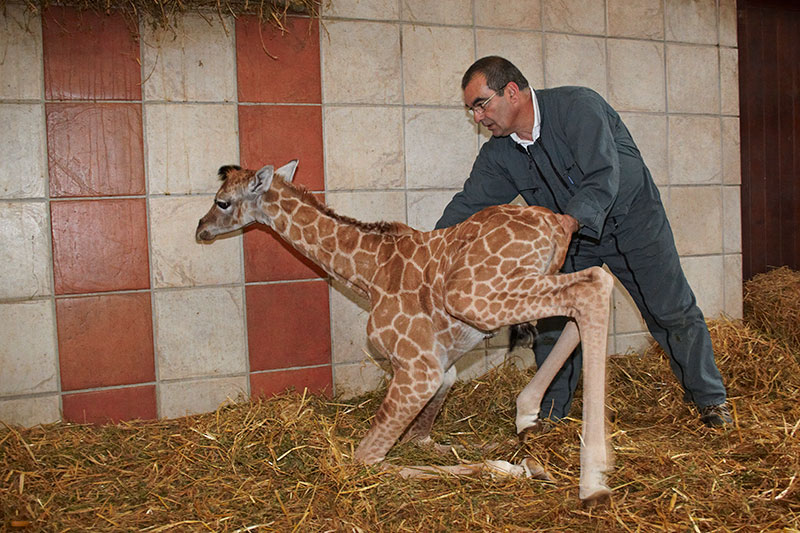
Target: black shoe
715,416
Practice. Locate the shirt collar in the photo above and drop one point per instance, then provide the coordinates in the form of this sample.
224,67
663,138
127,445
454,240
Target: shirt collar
537,123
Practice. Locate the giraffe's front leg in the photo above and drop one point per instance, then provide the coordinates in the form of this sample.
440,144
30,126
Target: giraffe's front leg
420,428
411,388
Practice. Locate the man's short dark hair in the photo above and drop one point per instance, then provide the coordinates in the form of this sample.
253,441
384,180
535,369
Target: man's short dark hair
498,72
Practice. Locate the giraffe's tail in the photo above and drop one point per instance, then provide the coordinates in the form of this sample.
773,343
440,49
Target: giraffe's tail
522,335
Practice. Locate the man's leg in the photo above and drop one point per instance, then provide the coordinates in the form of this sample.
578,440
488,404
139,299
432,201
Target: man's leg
646,262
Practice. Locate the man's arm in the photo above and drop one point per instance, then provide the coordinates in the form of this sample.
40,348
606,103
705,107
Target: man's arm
591,139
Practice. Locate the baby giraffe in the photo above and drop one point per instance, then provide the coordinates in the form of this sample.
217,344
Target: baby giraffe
434,295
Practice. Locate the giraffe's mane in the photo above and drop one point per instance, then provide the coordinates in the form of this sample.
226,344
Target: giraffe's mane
307,197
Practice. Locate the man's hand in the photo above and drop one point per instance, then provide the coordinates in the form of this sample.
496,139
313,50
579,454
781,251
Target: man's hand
569,224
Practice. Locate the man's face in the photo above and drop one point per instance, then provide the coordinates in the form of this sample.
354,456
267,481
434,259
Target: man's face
489,108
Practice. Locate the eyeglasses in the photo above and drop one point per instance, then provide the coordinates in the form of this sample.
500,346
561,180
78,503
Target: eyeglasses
480,107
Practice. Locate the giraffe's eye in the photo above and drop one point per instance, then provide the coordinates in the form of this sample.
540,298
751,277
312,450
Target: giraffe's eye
222,205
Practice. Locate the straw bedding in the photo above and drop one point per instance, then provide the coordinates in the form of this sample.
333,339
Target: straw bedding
164,13
284,464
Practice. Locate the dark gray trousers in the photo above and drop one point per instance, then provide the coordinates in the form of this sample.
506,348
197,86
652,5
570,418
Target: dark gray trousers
640,251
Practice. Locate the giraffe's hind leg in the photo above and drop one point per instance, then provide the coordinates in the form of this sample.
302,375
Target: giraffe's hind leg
584,296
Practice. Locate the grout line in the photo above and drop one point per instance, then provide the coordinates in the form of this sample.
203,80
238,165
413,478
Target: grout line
49,221
325,175
242,265
148,229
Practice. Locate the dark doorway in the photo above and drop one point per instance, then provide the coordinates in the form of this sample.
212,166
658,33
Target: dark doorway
769,96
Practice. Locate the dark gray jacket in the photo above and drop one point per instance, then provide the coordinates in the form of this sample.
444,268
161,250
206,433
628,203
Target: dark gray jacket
585,164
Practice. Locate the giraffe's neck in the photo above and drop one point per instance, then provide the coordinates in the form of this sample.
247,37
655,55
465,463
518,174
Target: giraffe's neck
343,247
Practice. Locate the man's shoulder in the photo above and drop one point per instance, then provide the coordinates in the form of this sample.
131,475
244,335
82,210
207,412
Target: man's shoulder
567,94
498,145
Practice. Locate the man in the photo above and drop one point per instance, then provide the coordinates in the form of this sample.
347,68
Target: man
566,149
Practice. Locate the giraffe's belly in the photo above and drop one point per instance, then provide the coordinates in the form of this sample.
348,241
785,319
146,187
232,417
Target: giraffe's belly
460,339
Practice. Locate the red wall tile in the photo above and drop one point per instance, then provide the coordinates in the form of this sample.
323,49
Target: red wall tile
316,380
288,325
292,74
89,56
99,245
105,340
95,149
113,405
276,134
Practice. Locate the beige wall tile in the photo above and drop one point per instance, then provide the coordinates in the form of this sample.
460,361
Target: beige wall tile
729,80
21,45
440,12
732,220
650,135
362,9
706,278
28,350
509,14
575,60
178,260
199,332
472,364
186,144
441,147
643,19
691,21
692,79
727,23
355,379
426,207
694,150
29,412
349,314
196,62
364,147
22,172
434,60
389,206
632,343
575,16
695,215
732,265
523,48
731,157
636,75
353,50
500,338
184,398
24,250
627,318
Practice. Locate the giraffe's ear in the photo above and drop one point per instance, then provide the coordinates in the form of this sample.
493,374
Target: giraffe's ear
287,170
262,179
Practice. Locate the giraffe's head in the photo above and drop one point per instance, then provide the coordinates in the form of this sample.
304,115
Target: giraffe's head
237,203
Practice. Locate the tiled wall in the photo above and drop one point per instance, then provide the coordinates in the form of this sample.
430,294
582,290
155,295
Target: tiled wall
109,309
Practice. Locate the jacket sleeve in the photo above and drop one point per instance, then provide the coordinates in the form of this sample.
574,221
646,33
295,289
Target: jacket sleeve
591,139
488,184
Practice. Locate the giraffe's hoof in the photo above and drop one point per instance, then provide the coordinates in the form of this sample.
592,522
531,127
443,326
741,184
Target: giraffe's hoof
598,498
540,427
536,471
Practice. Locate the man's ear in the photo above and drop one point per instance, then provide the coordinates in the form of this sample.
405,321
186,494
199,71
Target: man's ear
262,179
287,170
512,89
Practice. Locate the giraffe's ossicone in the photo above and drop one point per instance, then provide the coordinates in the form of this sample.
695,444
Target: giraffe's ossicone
434,295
